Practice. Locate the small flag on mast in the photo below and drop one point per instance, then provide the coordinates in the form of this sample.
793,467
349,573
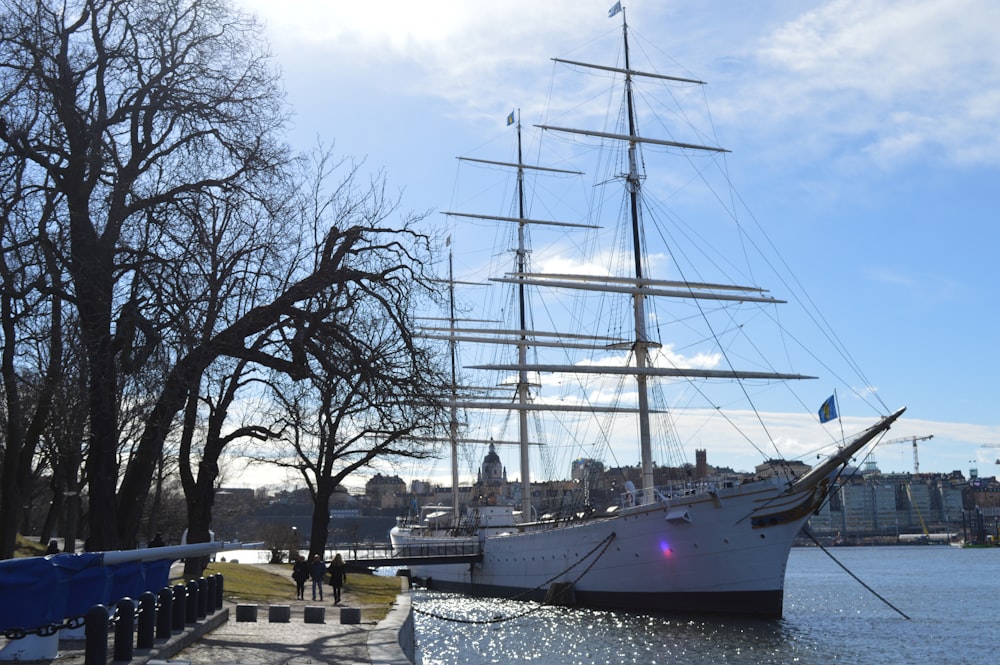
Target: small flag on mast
510,119
616,8
828,411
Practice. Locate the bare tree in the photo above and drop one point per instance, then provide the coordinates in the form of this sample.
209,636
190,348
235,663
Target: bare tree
369,396
126,109
144,135
31,325
62,447
238,259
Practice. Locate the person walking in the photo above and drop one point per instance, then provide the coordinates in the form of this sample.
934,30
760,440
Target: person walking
300,573
317,570
338,577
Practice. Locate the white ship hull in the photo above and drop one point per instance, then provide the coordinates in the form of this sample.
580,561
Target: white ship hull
724,552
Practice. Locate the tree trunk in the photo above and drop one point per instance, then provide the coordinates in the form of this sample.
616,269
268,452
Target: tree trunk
153,525
52,516
71,523
93,276
199,510
319,530
9,498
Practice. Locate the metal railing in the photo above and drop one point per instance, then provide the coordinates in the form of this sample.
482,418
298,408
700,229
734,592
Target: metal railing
436,549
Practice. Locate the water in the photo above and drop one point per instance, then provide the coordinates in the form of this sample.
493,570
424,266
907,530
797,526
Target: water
952,597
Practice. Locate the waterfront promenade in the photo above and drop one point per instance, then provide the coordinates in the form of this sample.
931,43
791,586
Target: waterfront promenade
299,643
220,638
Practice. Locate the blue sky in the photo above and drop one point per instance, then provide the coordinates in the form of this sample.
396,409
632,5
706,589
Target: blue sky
864,138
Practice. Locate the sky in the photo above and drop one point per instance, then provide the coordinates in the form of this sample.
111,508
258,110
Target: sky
865,137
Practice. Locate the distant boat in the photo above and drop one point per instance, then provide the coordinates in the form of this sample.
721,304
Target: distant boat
692,546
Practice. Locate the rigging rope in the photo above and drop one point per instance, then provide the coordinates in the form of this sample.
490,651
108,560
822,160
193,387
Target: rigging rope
605,543
856,578
808,532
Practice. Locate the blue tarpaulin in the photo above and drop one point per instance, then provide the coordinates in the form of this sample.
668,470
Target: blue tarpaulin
40,591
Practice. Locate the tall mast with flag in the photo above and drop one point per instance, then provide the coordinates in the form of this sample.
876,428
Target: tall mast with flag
521,337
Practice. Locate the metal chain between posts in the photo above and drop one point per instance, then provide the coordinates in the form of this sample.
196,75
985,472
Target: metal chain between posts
44,631
53,628
72,623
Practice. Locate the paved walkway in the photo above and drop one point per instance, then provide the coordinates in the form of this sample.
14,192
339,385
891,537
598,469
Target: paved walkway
299,643
220,639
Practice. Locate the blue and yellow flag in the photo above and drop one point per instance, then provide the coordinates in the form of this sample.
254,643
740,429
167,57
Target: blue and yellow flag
828,411
510,119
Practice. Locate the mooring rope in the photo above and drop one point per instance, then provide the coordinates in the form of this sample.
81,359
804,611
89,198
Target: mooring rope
856,578
499,619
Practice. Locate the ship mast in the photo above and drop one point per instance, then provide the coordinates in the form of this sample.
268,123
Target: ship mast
453,425
522,348
639,286
641,347
522,337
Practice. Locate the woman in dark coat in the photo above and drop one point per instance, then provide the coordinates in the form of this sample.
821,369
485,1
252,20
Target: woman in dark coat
338,577
300,573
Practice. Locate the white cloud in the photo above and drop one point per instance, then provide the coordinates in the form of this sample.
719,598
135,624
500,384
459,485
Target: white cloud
904,80
909,80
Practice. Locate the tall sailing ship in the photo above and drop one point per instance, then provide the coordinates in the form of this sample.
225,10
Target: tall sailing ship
693,545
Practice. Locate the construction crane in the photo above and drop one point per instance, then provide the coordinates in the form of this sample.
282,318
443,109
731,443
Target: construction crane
991,445
913,439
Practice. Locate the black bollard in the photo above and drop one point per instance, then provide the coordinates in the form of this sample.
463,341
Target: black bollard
210,595
124,629
164,613
191,611
219,581
180,606
95,630
146,623
202,598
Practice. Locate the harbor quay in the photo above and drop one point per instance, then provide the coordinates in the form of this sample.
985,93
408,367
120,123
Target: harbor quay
305,632
292,632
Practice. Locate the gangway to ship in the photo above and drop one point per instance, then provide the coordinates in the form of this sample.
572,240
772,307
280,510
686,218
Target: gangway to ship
423,554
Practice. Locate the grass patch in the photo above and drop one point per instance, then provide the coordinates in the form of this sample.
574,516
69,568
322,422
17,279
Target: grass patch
25,547
375,590
250,583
